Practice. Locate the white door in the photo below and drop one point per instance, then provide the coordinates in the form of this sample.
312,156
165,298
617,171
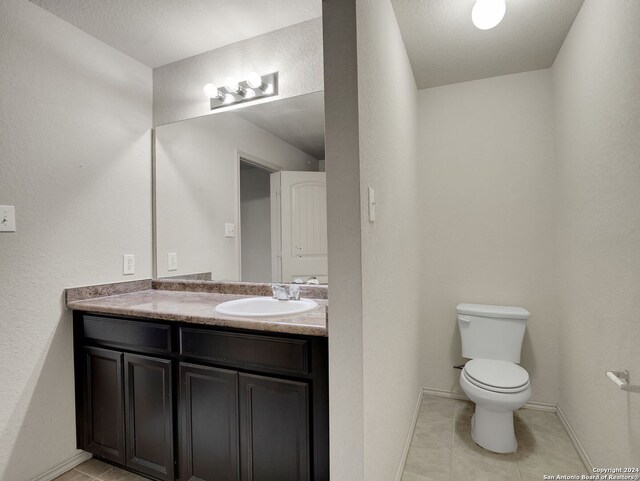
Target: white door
303,220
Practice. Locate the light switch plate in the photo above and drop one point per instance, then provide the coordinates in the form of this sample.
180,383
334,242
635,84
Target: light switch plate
229,230
172,261
7,218
128,264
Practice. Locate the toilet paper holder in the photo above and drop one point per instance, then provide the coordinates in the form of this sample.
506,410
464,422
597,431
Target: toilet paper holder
621,379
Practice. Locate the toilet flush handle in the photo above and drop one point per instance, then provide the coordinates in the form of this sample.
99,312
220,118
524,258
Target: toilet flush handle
466,319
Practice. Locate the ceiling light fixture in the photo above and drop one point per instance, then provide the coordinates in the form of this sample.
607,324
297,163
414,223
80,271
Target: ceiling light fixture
256,86
487,14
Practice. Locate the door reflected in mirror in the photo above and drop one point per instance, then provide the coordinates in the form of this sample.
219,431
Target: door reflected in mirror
241,195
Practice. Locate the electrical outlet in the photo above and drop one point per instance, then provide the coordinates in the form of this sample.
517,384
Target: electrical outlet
128,264
229,230
172,261
7,218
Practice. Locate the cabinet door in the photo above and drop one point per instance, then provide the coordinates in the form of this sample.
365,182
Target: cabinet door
208,424
149,415
274,429
103,404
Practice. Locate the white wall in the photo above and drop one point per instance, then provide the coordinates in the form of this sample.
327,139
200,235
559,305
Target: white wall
295,52
393,351
197,189
255,224
487,215
374,347
75,154
346,418
597,94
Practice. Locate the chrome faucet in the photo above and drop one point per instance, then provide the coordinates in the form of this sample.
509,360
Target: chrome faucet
294,292
280,292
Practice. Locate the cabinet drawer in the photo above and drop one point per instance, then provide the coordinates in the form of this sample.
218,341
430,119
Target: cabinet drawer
125,334
246,350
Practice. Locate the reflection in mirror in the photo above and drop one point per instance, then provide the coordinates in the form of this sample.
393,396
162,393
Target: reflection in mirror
241,195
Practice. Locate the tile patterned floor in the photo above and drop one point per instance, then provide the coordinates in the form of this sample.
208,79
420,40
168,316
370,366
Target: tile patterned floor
94,470
442,448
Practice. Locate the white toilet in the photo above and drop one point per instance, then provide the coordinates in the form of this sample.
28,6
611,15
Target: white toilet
492,339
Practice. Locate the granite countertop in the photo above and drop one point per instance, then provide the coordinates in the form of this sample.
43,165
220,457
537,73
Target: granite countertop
160,300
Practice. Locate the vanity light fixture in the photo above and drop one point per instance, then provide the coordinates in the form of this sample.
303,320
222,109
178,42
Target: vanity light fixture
232,85
256,86
254,80
487,14
212,92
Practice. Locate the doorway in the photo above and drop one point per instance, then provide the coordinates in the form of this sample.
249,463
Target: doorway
255,222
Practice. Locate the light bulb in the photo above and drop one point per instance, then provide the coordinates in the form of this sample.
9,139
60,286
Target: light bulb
211,91
231,84
254,80
249,93
228,99
269,89
487,14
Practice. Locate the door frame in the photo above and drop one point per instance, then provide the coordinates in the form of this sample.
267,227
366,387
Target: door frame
242,156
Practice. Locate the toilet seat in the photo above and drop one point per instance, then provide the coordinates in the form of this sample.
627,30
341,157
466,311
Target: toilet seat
496,376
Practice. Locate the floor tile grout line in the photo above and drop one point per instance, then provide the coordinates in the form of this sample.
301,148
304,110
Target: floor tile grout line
96,478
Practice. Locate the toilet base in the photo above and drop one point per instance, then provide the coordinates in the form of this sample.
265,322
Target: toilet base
494,431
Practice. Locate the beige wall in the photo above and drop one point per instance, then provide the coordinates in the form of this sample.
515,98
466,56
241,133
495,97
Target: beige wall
75,153
393,352
197,189
295,52
487,210
597,94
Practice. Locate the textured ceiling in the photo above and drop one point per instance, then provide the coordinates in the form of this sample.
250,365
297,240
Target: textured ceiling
444,46
159,32
298,121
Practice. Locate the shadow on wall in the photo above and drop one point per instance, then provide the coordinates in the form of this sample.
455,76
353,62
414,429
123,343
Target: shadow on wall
528,355
49,390
456,354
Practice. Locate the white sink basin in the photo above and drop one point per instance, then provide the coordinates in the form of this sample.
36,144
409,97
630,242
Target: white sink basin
264,307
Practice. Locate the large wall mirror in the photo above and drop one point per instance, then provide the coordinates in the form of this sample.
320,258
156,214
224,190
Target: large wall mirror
241,194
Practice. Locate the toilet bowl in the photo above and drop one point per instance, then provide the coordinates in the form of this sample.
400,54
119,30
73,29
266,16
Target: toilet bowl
497,388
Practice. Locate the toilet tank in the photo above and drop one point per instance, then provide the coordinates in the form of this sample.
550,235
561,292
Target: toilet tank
491,332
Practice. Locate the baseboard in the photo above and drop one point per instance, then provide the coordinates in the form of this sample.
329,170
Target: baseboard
407,443
536,406
427,391
574,439
78,458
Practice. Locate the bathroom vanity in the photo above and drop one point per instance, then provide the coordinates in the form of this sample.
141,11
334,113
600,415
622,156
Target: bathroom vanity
168,388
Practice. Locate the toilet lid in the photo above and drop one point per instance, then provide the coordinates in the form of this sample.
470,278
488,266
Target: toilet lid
494,375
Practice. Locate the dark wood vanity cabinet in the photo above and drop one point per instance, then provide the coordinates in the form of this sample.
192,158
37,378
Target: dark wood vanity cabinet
274,422
102,403
149,415
124,400
200,403
209,442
